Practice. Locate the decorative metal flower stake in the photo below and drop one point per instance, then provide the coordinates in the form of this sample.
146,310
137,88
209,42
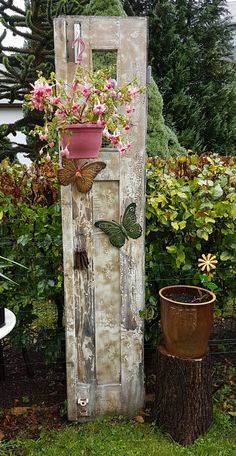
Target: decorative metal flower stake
207,262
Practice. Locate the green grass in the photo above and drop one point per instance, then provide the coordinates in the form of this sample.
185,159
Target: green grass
117,437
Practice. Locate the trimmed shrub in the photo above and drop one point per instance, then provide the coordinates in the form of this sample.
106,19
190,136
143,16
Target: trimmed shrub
191,210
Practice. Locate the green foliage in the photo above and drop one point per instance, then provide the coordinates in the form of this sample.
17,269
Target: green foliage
161,140
190,50
30,230
190,211
117,437
104,8
224,380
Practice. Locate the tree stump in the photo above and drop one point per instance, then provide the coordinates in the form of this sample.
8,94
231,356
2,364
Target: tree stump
183,396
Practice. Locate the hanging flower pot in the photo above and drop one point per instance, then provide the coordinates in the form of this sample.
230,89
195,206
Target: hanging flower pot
186,320
82,140
81,112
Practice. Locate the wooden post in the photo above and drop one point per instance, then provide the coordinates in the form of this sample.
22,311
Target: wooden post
183,396
104,333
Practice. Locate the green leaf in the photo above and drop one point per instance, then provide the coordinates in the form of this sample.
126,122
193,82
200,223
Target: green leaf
187,267
182,195
217,191
209,220
171,249
225,256
233,211
180,259
182,224
175,225
24,239
202,234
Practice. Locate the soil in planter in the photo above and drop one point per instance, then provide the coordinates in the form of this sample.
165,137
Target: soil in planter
187,298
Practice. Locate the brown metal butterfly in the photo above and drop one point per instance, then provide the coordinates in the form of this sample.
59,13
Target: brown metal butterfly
82,176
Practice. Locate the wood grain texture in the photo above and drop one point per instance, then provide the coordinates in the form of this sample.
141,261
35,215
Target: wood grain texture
104,331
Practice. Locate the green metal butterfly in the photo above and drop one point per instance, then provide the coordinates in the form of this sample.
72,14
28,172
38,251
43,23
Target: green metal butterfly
128,228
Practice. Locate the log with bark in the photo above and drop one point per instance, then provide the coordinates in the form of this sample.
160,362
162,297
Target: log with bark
183,396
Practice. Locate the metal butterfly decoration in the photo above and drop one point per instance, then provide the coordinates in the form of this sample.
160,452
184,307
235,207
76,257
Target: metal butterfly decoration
118,233
82,176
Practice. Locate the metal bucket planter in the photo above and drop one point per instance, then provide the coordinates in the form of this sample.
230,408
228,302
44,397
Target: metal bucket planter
82,140
186,320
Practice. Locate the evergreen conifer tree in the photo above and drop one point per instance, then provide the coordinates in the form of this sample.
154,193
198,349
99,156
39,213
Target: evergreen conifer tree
190,52
161,140
104,8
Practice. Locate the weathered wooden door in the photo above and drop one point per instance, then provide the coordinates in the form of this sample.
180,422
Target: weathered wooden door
104,333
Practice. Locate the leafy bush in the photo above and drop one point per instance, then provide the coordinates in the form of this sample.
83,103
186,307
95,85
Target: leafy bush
191,210
30,233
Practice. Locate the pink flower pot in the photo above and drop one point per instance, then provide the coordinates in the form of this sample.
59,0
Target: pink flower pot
82,140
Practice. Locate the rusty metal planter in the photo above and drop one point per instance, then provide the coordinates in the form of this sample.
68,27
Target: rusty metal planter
186,326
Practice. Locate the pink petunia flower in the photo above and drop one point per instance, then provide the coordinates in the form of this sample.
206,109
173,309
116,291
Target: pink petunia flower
124,147
85,89
114,138
64,152
130,110
75,107
109,84
40,94
133,91
55,100
43,137
60,113
99,108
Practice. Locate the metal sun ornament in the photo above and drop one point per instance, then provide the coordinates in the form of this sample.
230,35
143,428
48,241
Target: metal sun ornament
207,262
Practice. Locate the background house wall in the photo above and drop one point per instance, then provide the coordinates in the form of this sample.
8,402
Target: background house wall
9,113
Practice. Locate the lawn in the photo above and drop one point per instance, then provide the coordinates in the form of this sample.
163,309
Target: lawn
118,437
